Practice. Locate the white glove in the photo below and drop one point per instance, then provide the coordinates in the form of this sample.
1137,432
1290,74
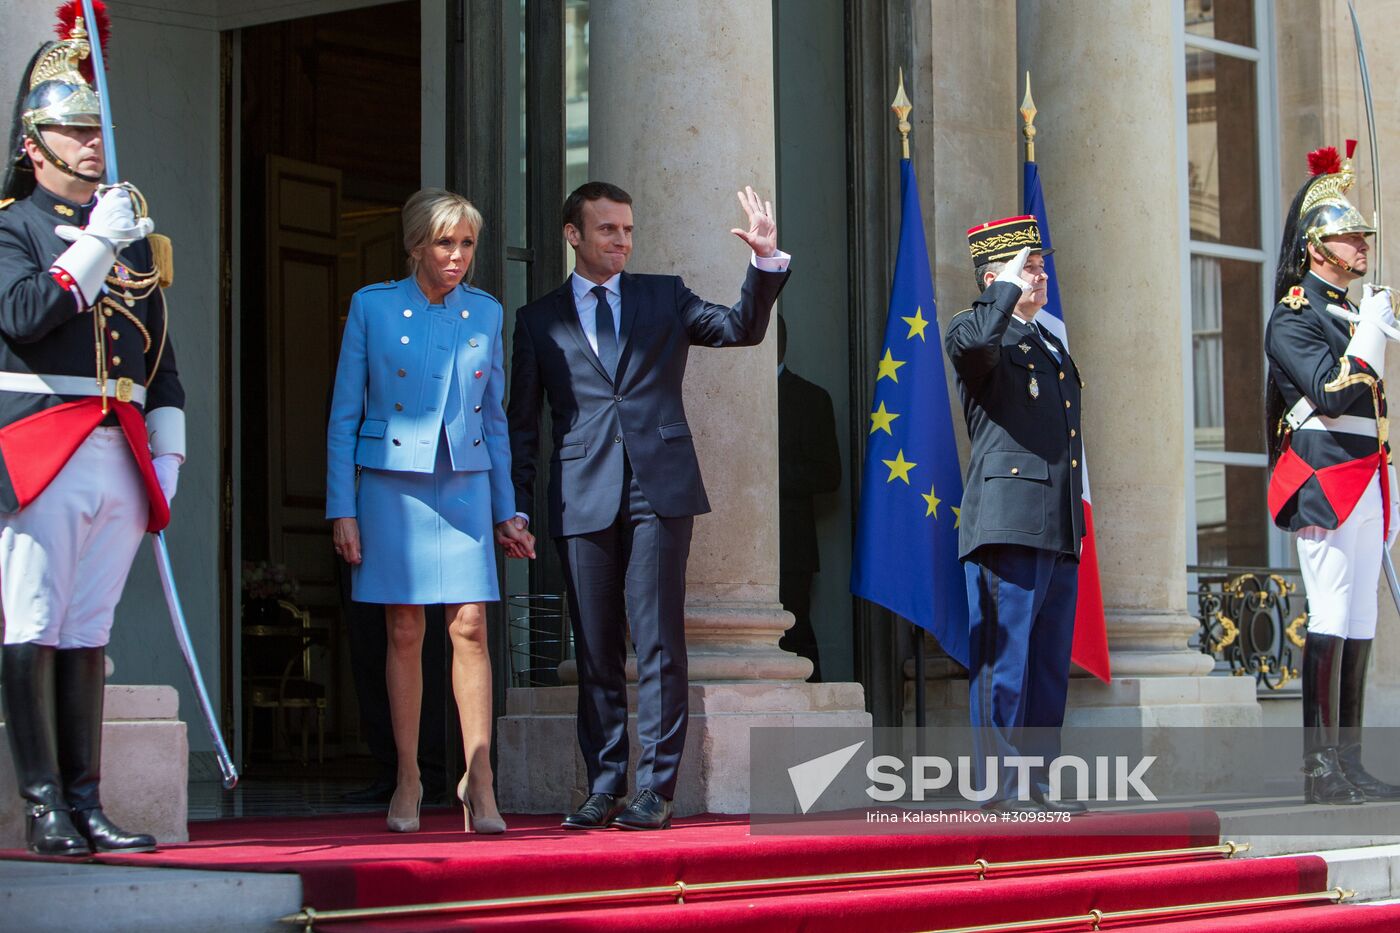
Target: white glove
87,262
1011,272
112,219
1375,317
167,467
1394,531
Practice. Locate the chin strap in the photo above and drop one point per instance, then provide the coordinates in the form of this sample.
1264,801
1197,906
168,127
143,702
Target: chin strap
1331,258
61,165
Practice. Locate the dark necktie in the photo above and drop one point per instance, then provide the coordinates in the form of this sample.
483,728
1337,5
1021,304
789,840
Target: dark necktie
607,333
1049,344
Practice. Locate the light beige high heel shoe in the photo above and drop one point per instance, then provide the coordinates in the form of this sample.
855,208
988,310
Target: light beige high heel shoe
406,824
486,826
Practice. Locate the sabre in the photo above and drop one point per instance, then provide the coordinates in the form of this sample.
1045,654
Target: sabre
162,553
1386,563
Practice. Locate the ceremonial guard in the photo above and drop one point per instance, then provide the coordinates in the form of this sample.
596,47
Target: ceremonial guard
91,435
1022,511
1332,482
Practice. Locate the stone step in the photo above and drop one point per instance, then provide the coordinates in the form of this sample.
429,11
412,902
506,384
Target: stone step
51,896
1373,872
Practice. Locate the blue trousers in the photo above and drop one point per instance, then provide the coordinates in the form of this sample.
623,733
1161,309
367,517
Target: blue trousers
1021,603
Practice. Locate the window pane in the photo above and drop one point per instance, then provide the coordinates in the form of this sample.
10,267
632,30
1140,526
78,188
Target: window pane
1222,149
1227,20
1232,516
517,127
1227,337
575,93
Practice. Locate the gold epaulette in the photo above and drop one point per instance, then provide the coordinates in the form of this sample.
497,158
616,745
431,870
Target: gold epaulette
6,202
1296,298
162,258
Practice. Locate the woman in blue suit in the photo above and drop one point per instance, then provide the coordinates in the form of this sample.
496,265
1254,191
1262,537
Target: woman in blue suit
418,474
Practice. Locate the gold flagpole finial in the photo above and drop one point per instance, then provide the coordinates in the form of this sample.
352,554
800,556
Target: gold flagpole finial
1028,119
901,107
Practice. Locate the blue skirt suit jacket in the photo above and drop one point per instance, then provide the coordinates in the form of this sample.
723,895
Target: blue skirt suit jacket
418,409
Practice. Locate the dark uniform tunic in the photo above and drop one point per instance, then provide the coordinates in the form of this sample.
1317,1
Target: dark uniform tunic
41,331
1321,474
1021,525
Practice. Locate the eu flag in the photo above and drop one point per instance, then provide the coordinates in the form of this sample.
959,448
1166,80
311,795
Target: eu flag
906,548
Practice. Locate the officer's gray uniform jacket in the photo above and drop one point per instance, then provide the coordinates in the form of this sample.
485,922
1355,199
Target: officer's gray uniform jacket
1024,481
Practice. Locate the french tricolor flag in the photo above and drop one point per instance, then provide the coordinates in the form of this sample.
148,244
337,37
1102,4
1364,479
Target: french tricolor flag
1090,649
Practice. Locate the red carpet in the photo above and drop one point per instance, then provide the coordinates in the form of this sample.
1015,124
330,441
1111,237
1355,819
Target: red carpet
351,861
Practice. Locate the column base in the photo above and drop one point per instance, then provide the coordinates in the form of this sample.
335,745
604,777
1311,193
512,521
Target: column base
145,767
542,771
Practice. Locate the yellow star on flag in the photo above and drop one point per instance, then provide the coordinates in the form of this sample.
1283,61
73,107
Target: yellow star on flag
899,467
932,499
957,516
916,325
880,420
889,367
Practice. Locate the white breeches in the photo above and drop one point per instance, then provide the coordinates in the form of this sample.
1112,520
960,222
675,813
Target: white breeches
64,558
1341,569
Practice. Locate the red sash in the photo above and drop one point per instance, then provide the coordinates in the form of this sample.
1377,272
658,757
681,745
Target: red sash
38,447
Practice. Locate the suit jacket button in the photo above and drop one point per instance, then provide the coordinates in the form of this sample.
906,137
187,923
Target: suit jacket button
397,442
402,373
116,361
472,342
477,408
617,398
1074,463
617,439
466,314
1030,366
398,406
403,339
407,313
1062,374
1071,432
478,374
1066,403
1015,471
477,442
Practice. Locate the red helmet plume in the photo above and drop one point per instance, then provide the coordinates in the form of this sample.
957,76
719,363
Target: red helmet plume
67,17
1324,161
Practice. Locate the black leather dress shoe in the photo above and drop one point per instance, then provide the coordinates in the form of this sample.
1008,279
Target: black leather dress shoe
1059,806
597,812
377,791
648,810
1014,805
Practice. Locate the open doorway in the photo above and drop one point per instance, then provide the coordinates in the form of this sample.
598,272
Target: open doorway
329,149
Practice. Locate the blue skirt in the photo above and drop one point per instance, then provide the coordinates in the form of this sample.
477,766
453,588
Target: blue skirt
425,538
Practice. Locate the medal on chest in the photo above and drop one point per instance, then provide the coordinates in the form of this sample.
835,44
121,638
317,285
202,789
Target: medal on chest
1033,388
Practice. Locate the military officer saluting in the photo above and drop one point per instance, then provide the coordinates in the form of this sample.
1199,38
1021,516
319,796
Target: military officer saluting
1022,510
91,437
1332,483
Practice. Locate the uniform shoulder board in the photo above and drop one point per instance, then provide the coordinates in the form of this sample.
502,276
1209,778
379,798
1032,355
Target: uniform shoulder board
6,202
960,313
1296,298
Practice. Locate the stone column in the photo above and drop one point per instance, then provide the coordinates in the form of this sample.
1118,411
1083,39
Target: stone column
681,116
1115,204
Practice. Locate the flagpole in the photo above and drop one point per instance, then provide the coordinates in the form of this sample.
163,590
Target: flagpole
902,106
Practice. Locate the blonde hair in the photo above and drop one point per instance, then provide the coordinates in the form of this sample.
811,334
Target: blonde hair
430,213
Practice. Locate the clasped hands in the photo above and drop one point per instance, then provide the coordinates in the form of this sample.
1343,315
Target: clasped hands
512,534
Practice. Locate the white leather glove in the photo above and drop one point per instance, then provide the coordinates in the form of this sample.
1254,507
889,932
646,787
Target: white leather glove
1374,318
1011,272
167,467
87,263
1394,531
112,219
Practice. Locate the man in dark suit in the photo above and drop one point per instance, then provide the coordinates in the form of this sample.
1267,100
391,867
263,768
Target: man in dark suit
608,351
1022,511
809,463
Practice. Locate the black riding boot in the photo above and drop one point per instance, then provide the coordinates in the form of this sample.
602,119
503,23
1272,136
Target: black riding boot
1322,680
80,675
1355,656
27,679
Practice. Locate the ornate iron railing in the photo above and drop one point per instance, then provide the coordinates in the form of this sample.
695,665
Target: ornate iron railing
1254,619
